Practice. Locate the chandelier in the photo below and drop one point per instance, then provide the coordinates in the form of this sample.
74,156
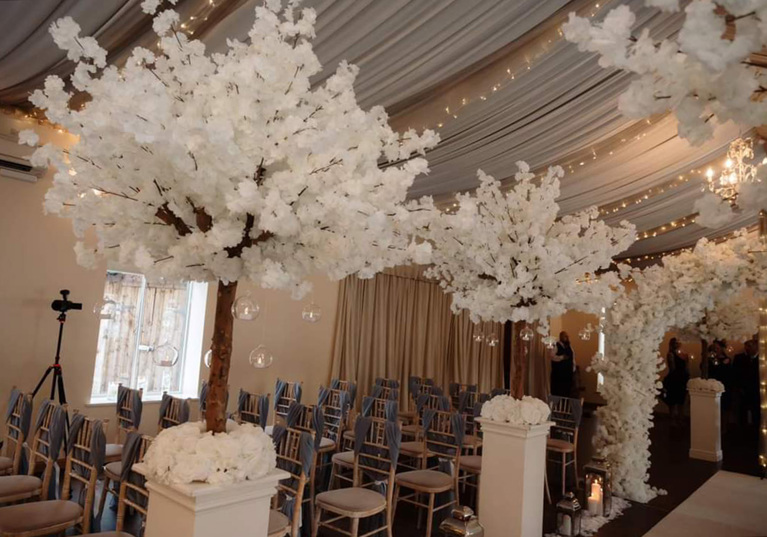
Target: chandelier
737,170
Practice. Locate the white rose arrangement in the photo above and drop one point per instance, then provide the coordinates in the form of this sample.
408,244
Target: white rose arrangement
705,385
187,454
525,412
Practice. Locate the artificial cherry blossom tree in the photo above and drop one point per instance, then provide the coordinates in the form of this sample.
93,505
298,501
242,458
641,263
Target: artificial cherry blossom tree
703,74
512,257
229,166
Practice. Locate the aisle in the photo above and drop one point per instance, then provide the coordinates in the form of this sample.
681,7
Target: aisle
728,504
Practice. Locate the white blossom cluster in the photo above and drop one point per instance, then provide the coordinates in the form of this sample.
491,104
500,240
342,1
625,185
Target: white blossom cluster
522,412
705,385
187,454
737,319
510,256
679,292
702,74
716,212
229,166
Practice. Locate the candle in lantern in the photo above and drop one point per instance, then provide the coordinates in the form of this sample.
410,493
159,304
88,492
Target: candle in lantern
595,499
566,527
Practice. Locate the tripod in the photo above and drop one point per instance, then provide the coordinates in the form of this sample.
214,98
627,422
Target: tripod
58,378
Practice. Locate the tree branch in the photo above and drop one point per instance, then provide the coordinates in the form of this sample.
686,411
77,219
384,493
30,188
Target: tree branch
165,214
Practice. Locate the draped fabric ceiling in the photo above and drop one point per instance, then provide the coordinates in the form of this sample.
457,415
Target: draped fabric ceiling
495,78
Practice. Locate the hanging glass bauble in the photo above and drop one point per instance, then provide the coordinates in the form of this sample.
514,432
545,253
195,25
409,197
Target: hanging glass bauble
492,341
165,355
261,357
245,309
526,333
550,342
584,334
207,358
478,338
105,309
311,313
730,349
589,327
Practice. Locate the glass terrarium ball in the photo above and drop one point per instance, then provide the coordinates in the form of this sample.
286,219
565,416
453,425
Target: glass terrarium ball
261,357
492,341
208,357
526,333
549,341
311,313
165,355
584,334
478,338
245,309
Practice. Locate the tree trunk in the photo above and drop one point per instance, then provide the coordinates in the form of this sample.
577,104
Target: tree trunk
519,361
223,328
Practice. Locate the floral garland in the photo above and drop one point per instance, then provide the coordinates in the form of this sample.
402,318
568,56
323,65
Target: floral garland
705,385
187,454
679,292
521,412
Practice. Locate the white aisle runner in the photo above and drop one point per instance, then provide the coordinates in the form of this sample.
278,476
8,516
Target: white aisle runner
727,505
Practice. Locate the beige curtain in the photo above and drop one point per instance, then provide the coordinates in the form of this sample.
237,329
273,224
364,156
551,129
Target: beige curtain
398,324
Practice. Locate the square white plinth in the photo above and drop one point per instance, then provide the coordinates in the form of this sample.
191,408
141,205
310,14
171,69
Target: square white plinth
204,510
705,425
512,480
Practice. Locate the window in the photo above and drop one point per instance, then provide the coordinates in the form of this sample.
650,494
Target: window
150,337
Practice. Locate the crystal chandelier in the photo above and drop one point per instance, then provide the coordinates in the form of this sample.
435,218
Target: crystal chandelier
737,170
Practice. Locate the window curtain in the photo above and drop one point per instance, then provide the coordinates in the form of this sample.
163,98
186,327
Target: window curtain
399,324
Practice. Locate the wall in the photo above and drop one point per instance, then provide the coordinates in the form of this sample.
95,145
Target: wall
38,260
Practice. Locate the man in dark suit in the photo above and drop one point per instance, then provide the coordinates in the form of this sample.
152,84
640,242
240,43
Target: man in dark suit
746,382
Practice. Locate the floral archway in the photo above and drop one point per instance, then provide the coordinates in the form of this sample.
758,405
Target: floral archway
676,294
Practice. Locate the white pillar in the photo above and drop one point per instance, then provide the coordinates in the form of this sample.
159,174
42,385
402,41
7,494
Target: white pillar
511,485
203,510
705,425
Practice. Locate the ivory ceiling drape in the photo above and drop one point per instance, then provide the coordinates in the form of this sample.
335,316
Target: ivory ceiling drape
398,325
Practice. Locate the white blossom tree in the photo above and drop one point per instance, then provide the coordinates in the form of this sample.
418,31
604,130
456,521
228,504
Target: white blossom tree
229,166
705,73
511,257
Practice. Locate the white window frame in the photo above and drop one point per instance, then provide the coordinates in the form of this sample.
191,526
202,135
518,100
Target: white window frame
190,351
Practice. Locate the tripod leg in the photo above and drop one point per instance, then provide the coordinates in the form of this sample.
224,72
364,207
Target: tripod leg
42,380
58,380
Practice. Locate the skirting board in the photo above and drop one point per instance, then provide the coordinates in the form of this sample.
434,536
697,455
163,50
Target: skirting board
711,456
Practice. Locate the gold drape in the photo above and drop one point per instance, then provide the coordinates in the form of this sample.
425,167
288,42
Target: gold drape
398,324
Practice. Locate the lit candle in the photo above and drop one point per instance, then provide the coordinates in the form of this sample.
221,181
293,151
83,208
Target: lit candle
566,526
595,500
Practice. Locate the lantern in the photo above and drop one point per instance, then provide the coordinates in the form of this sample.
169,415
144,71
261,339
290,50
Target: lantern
569,516
599,495
463,522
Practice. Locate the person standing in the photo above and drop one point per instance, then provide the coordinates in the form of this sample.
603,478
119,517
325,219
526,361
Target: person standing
675,382
720,368
562,367
746,383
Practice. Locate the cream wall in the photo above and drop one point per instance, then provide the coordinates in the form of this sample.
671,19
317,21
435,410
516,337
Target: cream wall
37,260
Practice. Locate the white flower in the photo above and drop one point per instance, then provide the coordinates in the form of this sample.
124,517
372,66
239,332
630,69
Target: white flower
714,212
705,385
28,137
187,454
522,412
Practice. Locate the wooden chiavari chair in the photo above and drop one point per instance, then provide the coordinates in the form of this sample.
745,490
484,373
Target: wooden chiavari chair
563,437
127,416
377,411
250,408
55,516
291,459
15,488
470,469
444,441
17,426
176,413
282,403
416,449
130,494
374,459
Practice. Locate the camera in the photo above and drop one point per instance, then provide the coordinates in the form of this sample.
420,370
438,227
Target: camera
65,305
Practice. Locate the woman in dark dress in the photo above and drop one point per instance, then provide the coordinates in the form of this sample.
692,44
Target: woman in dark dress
675,383
562,367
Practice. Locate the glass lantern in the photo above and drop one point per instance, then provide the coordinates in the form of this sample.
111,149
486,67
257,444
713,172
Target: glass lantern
568,516
599,495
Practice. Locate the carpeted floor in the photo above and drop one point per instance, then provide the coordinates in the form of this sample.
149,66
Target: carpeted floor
728,504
